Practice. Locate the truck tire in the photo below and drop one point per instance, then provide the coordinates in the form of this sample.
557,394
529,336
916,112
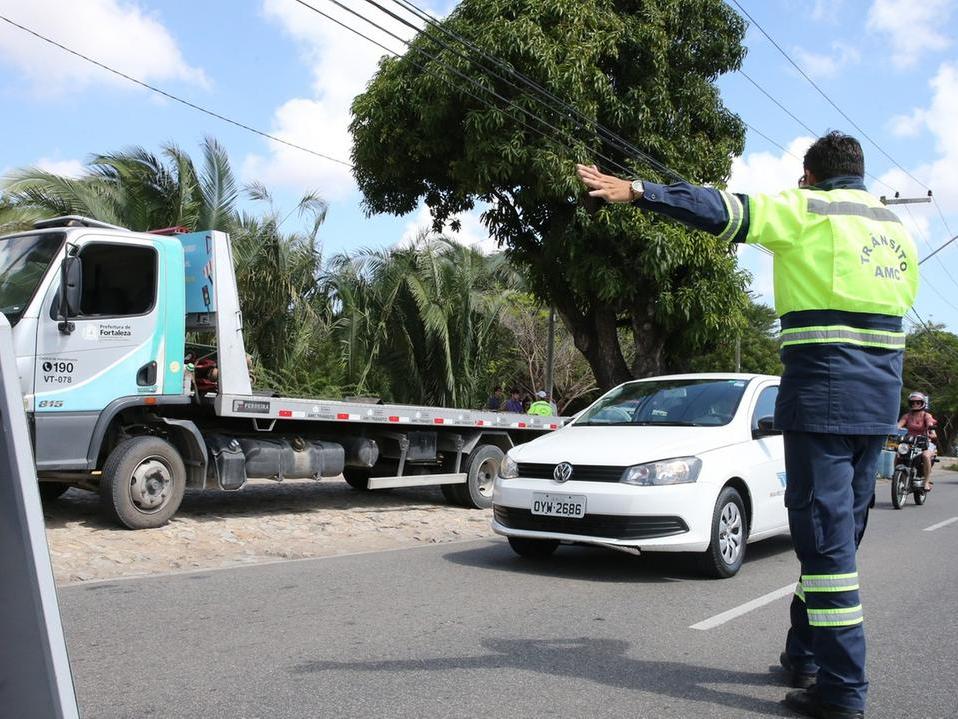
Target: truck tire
481,468
142,483
357,478
52,491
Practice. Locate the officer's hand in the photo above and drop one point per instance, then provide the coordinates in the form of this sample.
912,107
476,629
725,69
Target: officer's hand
604,187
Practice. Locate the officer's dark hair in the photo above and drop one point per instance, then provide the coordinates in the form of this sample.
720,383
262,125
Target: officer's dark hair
835,155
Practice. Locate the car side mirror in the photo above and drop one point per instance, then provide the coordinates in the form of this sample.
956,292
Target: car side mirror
71,290
765,428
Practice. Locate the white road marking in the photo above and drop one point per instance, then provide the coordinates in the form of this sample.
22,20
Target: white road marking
738,611
933,527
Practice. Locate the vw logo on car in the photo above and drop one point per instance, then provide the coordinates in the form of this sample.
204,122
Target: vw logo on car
562,472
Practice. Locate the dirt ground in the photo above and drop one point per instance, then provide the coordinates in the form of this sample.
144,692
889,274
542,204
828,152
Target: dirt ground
265,521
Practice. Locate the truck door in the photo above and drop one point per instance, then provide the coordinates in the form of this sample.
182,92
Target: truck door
113,350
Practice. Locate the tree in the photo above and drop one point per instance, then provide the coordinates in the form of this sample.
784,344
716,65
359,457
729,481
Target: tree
528,323
759,346
647,71
931,366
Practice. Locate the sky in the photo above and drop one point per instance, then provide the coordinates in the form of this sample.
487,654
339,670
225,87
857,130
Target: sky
891,67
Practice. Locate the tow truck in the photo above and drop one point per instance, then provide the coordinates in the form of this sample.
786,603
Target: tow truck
122,399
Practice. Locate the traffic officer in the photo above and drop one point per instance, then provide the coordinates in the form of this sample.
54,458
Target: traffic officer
542,405
845,273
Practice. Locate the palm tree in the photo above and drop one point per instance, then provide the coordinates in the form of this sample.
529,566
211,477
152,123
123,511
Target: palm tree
417,323
135,189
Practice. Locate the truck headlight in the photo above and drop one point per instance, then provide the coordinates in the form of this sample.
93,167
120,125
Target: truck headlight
508,469
680,470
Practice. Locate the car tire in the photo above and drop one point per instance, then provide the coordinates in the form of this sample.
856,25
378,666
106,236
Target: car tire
729,536
357,478
52,491
481,468
143,482
533,548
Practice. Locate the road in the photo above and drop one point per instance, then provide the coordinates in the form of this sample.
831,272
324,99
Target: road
470,630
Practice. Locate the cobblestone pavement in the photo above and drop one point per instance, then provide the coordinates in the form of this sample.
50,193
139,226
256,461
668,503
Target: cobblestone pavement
265,521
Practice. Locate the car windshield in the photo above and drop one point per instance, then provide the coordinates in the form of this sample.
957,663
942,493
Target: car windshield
24,260
675,402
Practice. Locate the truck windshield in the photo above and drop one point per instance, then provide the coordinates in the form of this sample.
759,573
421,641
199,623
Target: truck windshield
684,403
24,260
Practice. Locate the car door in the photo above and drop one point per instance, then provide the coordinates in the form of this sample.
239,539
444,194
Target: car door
767,481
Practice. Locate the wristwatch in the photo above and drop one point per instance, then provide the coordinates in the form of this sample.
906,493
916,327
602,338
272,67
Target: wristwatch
637,190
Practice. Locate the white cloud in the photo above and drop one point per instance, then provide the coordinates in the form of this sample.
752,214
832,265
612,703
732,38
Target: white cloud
472,233
827,66
117,33
341,65
938,119
769,173
827,10
913,28
908,125
64,168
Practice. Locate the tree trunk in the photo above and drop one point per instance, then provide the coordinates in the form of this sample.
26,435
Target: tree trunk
649,343
595,335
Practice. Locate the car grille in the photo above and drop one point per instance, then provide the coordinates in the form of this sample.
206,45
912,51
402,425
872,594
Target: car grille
580,472
593,525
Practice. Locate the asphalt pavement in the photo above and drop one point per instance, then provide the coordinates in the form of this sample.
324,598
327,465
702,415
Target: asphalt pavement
471,630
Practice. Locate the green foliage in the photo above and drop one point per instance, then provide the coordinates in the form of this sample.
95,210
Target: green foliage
647,71
931,366
420,323
759,347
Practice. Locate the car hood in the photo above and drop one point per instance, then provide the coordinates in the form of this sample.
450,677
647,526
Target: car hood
622,446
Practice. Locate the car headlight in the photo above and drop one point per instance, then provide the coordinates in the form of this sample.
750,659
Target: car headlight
680,470
508,469
903,448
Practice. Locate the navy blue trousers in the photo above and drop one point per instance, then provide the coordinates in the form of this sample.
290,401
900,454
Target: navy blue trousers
831,481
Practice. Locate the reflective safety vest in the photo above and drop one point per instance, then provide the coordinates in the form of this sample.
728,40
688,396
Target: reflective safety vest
541,407
835,252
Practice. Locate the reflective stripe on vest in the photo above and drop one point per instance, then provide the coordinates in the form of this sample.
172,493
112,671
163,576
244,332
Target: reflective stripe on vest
843,617
841,334
830,582
882,214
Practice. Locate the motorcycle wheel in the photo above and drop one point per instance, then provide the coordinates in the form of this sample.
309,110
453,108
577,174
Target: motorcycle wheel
920,496
899,488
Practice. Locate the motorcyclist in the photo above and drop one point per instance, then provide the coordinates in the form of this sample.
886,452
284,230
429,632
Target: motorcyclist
918,420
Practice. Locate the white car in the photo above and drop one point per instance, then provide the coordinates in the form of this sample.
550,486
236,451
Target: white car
684,463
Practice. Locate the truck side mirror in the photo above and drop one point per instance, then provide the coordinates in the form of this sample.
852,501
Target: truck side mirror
765,427
71,289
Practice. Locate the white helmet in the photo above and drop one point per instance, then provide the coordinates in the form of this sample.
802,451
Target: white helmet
918,397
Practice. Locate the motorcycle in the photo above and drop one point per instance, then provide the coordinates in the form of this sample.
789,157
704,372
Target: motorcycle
909,474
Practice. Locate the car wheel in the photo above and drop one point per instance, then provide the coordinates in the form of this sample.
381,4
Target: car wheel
533,548
142,483
726,550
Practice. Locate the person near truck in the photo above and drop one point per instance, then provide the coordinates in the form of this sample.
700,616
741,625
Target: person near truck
917,421
845,273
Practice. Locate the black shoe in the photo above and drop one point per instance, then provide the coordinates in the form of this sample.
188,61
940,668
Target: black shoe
793,677
807,703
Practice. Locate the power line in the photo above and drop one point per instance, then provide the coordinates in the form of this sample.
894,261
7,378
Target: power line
824,95
955,237
612,162
171,96
769,96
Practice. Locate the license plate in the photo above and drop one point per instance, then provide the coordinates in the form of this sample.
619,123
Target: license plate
558,505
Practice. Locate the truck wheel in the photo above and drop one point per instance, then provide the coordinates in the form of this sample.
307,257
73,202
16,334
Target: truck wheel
482,467
52,491
726,552
357,478
142,483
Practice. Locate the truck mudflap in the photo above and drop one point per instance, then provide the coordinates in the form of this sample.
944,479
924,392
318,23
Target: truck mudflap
236,459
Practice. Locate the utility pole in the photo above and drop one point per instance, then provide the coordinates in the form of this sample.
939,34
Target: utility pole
550,352
898,200
738,353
